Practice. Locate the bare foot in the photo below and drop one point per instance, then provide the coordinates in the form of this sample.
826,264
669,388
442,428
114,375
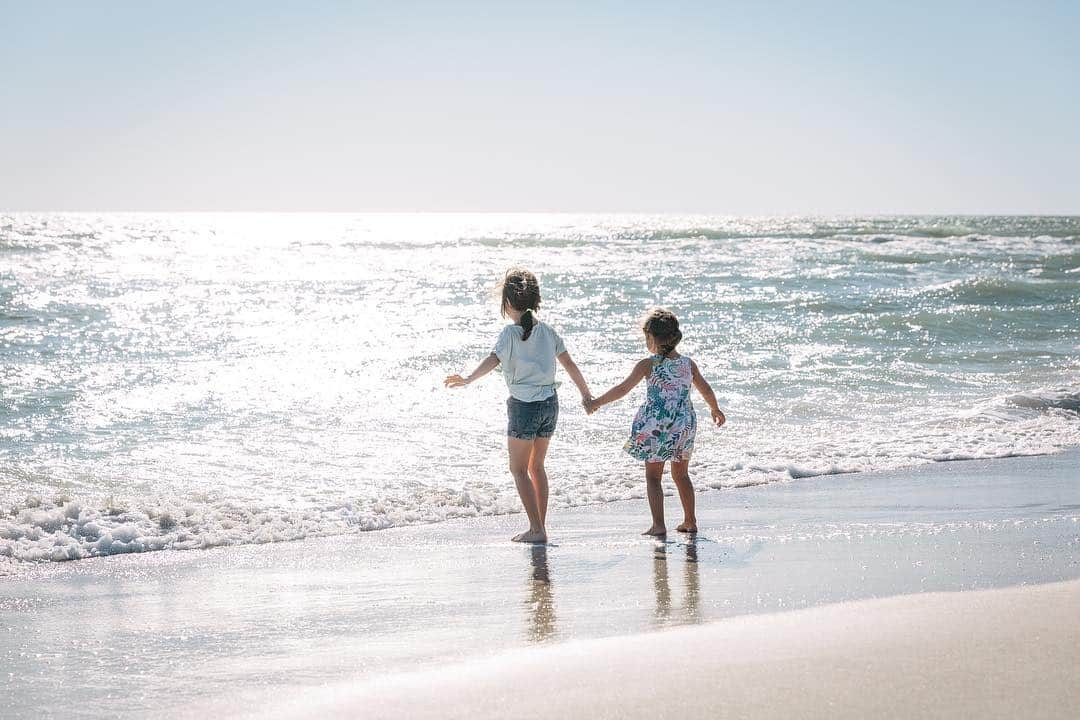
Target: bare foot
656,530
688,527
530,536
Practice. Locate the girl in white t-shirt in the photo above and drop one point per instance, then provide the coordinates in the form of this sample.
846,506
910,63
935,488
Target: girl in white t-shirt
527,351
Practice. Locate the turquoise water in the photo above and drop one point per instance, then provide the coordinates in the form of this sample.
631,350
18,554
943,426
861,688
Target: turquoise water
196,380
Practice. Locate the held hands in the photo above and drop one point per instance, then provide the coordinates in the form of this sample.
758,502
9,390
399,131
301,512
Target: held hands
590,404
718,417
455,381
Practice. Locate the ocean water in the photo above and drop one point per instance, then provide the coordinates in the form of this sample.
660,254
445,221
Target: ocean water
195,380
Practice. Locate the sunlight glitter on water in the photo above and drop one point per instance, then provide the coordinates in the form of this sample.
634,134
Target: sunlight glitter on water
264,377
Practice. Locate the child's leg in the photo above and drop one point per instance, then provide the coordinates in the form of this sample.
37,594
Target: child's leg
520,450
654,472
680,473
539,475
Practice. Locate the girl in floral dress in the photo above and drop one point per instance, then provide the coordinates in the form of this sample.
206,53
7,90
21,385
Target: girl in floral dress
664,427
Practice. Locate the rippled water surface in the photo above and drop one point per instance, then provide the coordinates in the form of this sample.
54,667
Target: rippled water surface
194,380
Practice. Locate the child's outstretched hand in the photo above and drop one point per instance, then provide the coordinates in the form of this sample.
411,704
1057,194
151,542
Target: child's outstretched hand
454,381
718,417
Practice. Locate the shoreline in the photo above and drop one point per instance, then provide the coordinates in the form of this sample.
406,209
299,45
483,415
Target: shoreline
14,567
235,623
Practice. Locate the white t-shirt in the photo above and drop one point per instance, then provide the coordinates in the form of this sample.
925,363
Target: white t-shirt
529,365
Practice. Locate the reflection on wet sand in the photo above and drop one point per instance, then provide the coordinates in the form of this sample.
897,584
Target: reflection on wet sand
692,582
660,584
688,610
540,599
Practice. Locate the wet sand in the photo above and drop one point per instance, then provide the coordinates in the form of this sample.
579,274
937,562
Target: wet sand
1003,653
232,631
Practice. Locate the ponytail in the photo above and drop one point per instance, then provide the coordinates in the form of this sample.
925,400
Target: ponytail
528,322
521,291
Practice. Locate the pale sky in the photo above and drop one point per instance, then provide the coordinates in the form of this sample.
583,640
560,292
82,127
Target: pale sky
715,107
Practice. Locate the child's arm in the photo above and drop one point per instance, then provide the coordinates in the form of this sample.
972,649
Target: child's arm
575,375
705,389
487,365
639,373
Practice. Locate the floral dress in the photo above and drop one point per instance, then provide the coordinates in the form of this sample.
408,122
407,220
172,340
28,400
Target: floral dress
664,427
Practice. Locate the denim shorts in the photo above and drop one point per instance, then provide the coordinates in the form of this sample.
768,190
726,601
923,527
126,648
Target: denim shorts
531,420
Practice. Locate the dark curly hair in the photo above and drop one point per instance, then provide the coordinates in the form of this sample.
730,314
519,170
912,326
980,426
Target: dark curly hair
664,328
521,291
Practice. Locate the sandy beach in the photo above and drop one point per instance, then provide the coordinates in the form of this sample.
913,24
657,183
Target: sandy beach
356,620
987,654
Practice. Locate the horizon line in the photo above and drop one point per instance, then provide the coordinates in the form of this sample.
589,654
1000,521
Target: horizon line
813,214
